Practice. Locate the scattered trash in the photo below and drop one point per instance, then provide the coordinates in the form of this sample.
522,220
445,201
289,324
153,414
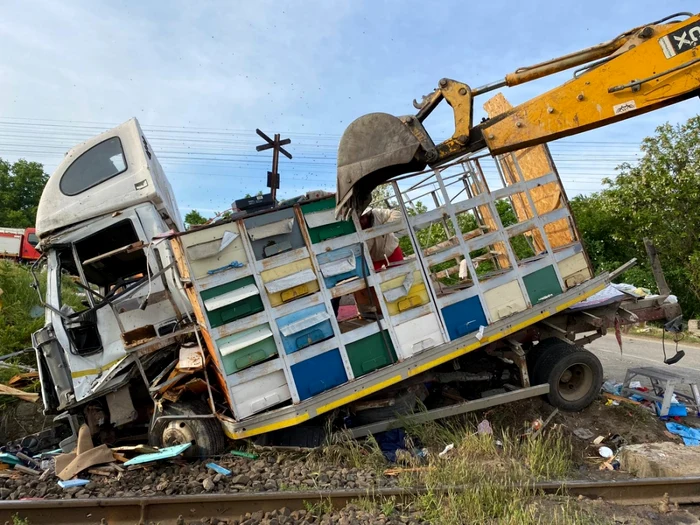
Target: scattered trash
446,450
691,436
392,443
484,428
499,444
242,454
397,471
21,468
480,333
21,394
138,449
542,424
163,453
219,469
583,433
675,410
612,387
9,459
605,452
635,384
71,483
85,456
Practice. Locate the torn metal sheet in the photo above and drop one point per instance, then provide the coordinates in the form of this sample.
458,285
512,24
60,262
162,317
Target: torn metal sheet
303,324
207,249
320,218
251,337
283,227
397,293
290,281
231,297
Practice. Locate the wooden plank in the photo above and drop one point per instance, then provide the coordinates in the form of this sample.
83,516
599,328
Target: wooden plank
533,163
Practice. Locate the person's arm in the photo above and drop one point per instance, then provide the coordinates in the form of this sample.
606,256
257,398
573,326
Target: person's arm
384,215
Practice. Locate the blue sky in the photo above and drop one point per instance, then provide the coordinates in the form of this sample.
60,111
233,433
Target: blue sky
202,76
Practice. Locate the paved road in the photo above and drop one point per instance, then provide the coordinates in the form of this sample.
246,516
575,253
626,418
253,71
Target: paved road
637,351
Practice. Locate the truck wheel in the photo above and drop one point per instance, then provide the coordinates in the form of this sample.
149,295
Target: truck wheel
206,435
574,376
544,346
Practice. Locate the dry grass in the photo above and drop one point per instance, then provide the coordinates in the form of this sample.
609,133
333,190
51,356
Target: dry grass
488,475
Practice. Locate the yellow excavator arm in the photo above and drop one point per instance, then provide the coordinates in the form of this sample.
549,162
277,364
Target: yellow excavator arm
643,69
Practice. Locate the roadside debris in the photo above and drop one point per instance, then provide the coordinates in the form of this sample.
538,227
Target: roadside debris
219,469
86,455
71,483
20,394
163,453
691,436
242,454
446,450
583,433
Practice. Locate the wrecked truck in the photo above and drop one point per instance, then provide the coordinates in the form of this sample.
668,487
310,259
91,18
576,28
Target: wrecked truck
240,329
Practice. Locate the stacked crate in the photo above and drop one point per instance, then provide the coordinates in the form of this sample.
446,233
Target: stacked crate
265,284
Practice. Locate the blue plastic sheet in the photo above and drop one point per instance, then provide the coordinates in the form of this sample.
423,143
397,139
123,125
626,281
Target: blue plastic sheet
163,453
691,436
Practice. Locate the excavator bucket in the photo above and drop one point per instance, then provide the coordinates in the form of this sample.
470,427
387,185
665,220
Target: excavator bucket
373,149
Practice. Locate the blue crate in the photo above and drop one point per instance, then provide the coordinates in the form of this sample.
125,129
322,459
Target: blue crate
318,374
304,328
464,317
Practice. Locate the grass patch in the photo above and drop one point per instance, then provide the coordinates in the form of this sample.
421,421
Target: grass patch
489,475
17,301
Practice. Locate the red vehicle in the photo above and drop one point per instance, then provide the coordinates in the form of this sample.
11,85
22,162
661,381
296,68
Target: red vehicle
18,244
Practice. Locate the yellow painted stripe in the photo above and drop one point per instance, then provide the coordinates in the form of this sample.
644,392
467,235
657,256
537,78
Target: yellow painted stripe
357,395
393,380
268,428
499,335
95,371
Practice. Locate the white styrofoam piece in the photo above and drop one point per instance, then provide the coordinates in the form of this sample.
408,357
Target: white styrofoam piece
320,218
282,227
252,337
303,324
211,248
231,297
418,335
394,294
290,281
339,266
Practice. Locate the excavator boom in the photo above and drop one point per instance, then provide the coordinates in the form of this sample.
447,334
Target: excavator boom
641,70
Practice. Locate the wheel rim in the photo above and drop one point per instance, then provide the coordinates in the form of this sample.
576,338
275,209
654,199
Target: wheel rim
177,433
575,382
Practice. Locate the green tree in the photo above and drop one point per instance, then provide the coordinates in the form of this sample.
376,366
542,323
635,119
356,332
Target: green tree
658,198
21,185
193,218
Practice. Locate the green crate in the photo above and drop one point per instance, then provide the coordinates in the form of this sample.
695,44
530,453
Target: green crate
542,284
369,354
248,356
327,231
231,312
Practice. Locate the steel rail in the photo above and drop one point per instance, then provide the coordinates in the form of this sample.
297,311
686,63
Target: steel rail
167,510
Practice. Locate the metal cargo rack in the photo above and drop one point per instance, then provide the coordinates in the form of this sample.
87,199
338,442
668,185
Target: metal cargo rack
262,287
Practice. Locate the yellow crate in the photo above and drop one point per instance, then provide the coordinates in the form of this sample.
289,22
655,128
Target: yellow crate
417,295
289,294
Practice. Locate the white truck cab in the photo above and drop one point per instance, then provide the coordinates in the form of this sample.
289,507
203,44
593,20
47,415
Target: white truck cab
98,224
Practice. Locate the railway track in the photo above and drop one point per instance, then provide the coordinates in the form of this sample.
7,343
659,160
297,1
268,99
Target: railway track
167,510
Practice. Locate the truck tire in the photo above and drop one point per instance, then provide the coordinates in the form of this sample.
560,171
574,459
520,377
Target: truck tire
206,435
574,376
544,346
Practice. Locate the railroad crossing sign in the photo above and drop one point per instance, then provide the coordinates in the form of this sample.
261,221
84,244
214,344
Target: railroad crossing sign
273,177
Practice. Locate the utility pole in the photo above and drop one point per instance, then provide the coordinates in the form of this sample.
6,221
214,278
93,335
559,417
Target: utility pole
273,177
